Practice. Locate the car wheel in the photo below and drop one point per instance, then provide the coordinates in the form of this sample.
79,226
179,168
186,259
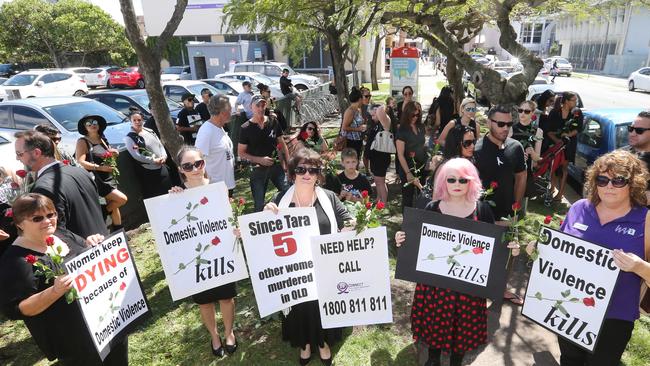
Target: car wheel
140,84
301,87
79,93
568,75
630,86
109,85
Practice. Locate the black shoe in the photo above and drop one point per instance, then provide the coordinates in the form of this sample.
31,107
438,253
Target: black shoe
231,348
219,351
304,361
326,361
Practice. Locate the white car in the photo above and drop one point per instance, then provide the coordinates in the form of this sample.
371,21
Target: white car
640,79
564,67
174,90
274,71
43,83
8,152
255,78
97,77
176,73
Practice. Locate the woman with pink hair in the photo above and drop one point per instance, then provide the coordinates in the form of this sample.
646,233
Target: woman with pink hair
449,321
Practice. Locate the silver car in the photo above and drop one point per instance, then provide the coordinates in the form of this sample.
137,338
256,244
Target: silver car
63,113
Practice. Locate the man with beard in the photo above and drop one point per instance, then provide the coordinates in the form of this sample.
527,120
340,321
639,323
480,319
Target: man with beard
639,140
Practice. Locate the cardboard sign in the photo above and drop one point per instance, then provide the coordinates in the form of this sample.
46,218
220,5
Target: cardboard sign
353,278
279,256
570,286
195,239
451,252
110,294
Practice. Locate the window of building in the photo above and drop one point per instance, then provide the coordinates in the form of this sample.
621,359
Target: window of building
526,32
537,33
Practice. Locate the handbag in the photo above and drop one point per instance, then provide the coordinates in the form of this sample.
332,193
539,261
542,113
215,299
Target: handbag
644,304
341,141
383,142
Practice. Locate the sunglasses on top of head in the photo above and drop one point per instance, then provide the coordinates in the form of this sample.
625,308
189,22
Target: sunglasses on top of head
618,182
301,170
188,167
40,218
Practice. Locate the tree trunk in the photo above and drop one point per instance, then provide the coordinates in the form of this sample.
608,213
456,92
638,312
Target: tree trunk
373,63
455,79
338,64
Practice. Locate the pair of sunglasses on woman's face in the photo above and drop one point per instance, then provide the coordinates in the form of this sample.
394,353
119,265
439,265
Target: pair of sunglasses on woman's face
459,180
40,218
618,182
526,111
188,167
92,123
301,170
468,143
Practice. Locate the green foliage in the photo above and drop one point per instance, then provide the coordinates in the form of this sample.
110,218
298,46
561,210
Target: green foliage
41,31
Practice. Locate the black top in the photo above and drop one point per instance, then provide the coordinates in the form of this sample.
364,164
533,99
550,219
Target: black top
413,142
186,117
260,142
644,156
354,186
202,108
483,211
499,165
59,330
150,123
340,212
526,137
555,123
285,85
75,197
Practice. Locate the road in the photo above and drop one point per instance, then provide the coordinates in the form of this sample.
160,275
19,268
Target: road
603,92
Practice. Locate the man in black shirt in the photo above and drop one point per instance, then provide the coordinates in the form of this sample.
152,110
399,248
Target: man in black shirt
187,118
202,107
639,139
287,89
500,159
261,143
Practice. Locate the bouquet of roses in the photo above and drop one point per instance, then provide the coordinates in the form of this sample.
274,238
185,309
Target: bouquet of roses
237,209
110,159
367,214
572,124
10,190
56,250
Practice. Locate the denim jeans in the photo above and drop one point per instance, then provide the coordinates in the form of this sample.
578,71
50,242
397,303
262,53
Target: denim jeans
260,179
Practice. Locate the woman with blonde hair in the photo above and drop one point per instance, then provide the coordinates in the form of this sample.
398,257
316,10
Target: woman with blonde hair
467,114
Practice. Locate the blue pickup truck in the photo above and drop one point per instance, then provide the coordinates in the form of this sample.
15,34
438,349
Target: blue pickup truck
603,130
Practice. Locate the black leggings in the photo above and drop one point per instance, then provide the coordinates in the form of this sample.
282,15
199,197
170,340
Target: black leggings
614,336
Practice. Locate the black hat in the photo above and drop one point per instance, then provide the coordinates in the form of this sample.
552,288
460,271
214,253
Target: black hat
81,125
187,96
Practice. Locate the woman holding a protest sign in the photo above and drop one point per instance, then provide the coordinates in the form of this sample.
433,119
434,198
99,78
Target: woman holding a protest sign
614,216
301,324
191,167
56,324
449,321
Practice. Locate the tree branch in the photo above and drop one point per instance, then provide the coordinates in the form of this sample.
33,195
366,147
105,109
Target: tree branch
171,26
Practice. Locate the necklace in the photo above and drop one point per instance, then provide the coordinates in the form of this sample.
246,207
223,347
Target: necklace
300,203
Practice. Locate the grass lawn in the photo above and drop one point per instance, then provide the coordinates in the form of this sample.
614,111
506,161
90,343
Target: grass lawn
174,335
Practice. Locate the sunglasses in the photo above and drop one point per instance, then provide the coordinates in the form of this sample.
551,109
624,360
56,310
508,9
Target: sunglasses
638,130
367,96
301,170
188,167
460,180
526,111
40,218
470,109
618,182
92,123
56,139
408,93
502,124
468,143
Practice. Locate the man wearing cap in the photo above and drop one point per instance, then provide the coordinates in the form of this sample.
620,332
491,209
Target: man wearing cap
187,118
261,143
287,89
202,107
244,99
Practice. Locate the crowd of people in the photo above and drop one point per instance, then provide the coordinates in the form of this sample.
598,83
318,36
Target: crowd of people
443,163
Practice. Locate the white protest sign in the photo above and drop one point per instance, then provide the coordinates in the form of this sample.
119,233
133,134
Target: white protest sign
195,239
279,257
456,254
570,286
110,294
353,278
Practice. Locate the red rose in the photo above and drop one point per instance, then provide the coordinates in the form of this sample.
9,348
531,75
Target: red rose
122,286
304,135
216,240
9,213
477,250
494,185
533,117
21,173
242,201
516,206
107,155
576,114
204,200
279,146
49,241
368,205
14,185
380,205
364,193
66,162
548,219
589,301
561,222
412,154
31,259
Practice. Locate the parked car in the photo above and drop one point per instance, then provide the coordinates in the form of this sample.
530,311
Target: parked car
603,130
63,113
127,77
100,76
9,70
174,90
2,80
122,100
43,83
176,73
506,66
230,87
534,91
563,65
255,78
8,151
274,71
640,79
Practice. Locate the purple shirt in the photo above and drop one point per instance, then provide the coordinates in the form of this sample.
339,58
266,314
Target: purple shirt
625,233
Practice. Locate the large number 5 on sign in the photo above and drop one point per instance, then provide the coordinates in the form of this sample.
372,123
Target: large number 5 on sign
284,244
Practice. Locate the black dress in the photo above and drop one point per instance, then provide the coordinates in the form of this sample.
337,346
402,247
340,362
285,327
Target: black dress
105,181
59,331
303,325
445,319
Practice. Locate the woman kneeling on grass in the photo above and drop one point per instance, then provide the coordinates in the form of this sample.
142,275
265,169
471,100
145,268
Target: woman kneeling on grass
191,167
447,320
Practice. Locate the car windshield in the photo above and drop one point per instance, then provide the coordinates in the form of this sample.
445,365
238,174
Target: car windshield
173,70
68,115
562,61
21,80
95,71
622,134
143,100
3,140
196,89
265,79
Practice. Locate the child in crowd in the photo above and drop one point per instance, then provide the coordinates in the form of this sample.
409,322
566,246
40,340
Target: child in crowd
350,183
